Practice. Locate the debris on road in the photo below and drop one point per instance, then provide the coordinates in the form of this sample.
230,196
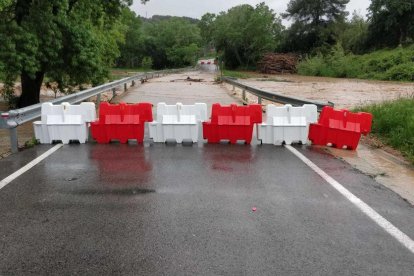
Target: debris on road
188,79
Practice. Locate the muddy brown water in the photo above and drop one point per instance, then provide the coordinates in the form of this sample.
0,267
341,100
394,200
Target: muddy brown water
344,93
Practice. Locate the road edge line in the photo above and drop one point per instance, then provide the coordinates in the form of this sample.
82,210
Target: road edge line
400,236
28,166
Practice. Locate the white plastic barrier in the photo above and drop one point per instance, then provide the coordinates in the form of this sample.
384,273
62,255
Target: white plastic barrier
64,122
287,124
179,122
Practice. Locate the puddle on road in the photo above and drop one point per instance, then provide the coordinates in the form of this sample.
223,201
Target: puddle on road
383,167
120,192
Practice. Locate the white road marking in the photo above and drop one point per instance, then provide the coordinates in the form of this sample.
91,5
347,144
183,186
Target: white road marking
405,240
27,167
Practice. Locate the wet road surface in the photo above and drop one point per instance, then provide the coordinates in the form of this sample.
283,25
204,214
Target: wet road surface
187,210
174,88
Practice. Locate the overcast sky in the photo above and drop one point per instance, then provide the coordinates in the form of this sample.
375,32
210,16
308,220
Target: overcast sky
196,8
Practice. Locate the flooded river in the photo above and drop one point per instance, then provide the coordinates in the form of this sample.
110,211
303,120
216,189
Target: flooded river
344,93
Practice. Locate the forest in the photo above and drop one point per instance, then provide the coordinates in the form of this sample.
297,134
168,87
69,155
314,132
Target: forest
77,42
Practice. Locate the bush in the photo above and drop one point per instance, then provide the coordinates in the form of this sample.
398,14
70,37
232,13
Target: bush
147,63
237,74
396,64
401,72
394,124
315,66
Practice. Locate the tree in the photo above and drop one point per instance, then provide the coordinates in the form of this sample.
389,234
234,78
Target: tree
71,41
132,48
173,42
206,30
244,33
315,23
393,17
354,35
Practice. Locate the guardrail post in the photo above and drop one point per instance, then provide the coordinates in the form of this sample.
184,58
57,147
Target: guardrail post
234,87
14,143
133,83
259,100
125,87
244,96
113,93
98,99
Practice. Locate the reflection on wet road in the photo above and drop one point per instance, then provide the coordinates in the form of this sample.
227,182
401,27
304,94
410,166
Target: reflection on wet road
177,210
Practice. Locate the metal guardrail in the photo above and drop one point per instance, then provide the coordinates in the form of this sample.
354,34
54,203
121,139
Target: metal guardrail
12,119
273,97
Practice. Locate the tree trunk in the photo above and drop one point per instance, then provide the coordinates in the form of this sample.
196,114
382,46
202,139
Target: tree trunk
403,35
30,88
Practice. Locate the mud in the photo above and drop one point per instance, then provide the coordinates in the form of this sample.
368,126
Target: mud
388,170
173,88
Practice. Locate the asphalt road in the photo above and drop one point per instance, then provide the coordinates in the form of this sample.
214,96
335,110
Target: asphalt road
187,210
174,88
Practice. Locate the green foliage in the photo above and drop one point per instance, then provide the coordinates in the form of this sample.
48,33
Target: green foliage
237,74
206,27
353,38
169,42
394,124
4,4
316,24
31,143
131,48
146,63
243,33
7,92
120,73
394,64
392,23
172,43
72,42
401,72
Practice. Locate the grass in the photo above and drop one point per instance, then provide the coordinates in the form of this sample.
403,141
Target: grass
31,143
393,124
273,80
120,73
388,64
129,70
238,74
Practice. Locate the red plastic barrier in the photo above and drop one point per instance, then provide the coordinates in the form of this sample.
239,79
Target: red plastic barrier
232,123
340,128
121,122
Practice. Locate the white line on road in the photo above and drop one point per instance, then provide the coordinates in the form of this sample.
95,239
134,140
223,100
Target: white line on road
27,167
365,208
